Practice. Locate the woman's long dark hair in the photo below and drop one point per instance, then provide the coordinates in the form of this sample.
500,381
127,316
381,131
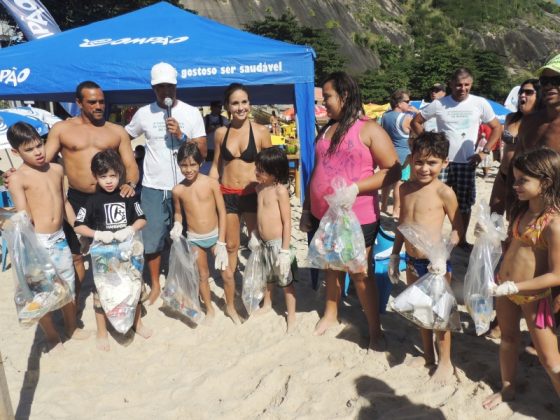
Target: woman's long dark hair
543,164
352,109
517,115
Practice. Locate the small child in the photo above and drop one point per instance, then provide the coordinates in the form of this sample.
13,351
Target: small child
274,227
202,201
37,189
530,267
486,163
106,217
426,201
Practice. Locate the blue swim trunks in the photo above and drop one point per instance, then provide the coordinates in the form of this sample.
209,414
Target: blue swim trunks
419,266
205,241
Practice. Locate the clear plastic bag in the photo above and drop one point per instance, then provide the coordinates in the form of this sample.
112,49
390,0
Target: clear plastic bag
117,273
183,281
339,243
38,287
429,302
254,283
484,257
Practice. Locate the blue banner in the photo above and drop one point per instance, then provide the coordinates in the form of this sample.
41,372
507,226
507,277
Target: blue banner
32,17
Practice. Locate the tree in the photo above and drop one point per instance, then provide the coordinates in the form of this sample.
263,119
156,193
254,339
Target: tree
287,28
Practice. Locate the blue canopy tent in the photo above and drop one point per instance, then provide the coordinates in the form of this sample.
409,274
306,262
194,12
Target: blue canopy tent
118,54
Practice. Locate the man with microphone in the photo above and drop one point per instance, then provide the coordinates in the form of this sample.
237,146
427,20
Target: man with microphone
166,124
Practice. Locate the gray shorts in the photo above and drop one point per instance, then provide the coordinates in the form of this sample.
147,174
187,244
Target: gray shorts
270,251
158,208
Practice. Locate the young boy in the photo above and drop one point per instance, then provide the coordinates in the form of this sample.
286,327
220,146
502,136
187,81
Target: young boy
200,198
426,201
37,189
274,227
106,217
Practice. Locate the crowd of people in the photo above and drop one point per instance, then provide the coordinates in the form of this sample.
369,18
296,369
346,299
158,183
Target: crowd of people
427,157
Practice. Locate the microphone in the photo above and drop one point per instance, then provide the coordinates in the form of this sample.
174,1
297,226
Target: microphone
169,104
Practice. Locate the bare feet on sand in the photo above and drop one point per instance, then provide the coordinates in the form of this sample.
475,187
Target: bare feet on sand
377,343
262,310
323,325
444,374
209,318
102,343
232,313
419,362
154,294
78,334
506,394
290,323
143,331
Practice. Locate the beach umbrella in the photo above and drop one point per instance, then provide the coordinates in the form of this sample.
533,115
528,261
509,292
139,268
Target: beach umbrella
7,119
500,110
37,113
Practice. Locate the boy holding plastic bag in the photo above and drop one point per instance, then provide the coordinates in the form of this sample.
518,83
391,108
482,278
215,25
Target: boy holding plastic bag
113,220
37,191
425,202
199,196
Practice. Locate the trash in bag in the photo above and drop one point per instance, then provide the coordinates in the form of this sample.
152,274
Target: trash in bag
429,302
183,281
117,273
38,287
339,243
484,257
254,282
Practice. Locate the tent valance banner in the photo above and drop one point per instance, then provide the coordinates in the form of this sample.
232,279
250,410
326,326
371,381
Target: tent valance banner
118,54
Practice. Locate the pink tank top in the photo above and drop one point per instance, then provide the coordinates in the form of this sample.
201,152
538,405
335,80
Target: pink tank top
352,161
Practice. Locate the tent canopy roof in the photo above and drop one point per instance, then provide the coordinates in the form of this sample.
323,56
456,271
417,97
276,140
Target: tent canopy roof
118,54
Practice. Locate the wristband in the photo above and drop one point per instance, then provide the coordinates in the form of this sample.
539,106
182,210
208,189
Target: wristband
485,150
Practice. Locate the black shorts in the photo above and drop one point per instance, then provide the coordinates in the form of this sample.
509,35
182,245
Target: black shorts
76,199
368,230
239,204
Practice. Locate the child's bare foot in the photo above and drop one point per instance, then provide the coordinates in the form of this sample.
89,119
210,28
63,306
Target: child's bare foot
78,334
102,343
323,325
262,310
154,294
232,313
506,394
290,323
443,374
209,318
143,331
420,361
377,343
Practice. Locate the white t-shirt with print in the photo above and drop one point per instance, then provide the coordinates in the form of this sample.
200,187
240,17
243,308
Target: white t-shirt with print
161,170
459,121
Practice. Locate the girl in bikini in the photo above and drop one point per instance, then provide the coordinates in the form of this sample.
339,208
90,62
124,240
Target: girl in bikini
531,266
236,148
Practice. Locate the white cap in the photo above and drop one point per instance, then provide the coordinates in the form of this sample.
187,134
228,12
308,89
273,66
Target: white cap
163,73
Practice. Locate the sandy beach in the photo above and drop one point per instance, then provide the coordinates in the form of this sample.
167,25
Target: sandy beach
257,371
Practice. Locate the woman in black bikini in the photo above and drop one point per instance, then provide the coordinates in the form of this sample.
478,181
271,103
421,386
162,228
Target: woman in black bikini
236,147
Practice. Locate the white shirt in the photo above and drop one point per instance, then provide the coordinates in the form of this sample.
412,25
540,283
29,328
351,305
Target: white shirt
161,170
459,121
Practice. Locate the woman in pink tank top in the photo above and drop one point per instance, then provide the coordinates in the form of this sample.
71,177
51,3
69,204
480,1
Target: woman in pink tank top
350,146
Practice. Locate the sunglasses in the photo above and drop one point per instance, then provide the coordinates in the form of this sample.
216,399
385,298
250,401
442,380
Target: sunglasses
527,92
553,80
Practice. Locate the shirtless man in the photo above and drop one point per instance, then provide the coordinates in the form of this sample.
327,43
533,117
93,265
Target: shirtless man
78,140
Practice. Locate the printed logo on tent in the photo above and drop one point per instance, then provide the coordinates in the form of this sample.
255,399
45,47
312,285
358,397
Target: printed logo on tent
153,40
115,213
14,76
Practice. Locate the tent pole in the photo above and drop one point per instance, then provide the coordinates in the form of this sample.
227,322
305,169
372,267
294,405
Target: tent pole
9,158
6,410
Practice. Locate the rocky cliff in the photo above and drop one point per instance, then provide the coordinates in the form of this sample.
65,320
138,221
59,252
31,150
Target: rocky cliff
521,43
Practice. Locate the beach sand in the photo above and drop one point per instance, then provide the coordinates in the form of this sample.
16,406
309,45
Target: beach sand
257,371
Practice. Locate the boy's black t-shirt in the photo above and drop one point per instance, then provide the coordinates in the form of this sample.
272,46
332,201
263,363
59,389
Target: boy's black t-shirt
109,211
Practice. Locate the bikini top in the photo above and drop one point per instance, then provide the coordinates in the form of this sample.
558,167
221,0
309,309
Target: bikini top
248,155
532,235
509,138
